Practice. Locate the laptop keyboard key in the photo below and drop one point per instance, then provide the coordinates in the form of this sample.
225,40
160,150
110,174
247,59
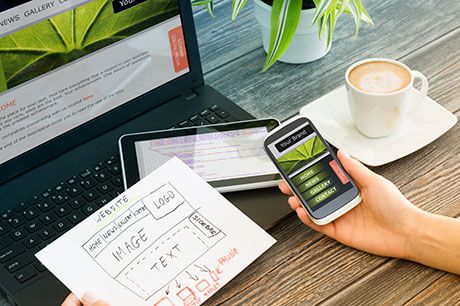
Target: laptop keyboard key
18,234
31,241
76,217
74,190
33,226
85,173
223,114
76,203
91,195
63,210
46,233
45,206
48,218
21,207
204,113
182,124
19,261
115,169
88,183
25,274
72,180
33,199
61,225
60,198
7,214
11,252
99,167
5,241
212,118
117,181
31,213
103,201
90,209
111,160
215,107
46,194
105,188
4,228
16,221
102,176
194,118
39,266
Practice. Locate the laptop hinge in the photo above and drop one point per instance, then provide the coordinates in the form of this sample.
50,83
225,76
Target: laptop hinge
189,95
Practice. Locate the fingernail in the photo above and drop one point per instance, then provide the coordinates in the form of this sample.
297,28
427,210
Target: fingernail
90,298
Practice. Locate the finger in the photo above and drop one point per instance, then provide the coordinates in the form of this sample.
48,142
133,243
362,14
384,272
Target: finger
89,299
294,202
362,175
71,300
284,187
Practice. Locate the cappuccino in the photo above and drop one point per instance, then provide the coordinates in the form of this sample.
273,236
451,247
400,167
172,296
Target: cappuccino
379,77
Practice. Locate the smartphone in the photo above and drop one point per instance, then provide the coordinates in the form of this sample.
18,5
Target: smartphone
312,170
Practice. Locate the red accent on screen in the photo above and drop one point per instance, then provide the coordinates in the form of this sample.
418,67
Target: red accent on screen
178,49
338,171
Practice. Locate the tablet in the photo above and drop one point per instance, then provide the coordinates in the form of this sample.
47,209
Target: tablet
230,156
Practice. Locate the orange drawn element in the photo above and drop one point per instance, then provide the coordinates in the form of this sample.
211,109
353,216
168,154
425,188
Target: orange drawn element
187,296
202,285
164,302
214,276
178,49
343,178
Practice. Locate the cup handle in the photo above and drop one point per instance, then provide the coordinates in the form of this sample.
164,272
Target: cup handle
423,91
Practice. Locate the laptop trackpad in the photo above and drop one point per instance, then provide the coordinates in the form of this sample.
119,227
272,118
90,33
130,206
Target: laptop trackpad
264,206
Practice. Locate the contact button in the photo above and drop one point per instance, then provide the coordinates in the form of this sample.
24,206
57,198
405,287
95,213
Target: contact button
322,196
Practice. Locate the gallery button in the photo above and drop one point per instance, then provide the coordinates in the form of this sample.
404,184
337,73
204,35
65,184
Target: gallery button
312,181
322,196
318,188
305,175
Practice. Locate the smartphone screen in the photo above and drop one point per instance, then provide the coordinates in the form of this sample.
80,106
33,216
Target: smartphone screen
309,164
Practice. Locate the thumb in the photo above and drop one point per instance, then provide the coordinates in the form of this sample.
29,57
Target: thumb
362,175
89,299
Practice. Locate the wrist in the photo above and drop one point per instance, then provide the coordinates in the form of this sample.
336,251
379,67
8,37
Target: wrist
417,234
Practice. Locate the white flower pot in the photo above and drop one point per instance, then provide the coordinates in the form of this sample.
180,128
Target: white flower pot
305,46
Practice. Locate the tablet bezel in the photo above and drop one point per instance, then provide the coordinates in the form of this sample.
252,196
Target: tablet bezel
130,168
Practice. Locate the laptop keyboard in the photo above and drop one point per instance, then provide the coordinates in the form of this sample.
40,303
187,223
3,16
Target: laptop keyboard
33,224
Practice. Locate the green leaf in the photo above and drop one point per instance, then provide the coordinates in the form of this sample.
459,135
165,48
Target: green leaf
200,2
284,19
210,8
302,155
40,48
321,9
237,5
331,26
3,86
355,9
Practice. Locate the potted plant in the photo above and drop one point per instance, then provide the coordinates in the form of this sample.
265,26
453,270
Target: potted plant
297,31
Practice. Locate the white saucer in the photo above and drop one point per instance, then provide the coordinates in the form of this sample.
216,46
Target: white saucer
425,123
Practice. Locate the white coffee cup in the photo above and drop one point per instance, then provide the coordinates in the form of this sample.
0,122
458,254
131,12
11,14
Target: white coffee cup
382,114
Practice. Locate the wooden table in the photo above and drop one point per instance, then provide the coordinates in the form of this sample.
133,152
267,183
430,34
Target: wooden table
305,267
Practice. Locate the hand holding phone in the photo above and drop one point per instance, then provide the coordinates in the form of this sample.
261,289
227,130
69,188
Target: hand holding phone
312,170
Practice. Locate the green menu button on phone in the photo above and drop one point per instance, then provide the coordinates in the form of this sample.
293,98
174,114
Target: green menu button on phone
322,196
305,175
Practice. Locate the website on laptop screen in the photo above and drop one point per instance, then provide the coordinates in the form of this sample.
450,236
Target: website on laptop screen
65,62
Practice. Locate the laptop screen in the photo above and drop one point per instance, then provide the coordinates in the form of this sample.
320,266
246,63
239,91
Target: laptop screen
66,62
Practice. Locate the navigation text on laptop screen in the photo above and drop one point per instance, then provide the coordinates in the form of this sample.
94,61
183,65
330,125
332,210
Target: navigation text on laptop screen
65,62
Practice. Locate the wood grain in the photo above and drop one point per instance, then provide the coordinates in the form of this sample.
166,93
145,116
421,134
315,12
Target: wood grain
444,291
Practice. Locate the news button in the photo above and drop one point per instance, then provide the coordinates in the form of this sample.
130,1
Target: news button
121,5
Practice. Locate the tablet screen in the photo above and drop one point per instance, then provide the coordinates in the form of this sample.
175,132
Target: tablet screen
215,156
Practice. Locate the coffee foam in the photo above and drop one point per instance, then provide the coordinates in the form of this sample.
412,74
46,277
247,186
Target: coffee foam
379,77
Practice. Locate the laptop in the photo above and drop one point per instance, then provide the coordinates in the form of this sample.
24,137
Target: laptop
75,75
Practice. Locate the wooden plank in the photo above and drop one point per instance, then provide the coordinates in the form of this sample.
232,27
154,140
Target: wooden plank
285,88
444,291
